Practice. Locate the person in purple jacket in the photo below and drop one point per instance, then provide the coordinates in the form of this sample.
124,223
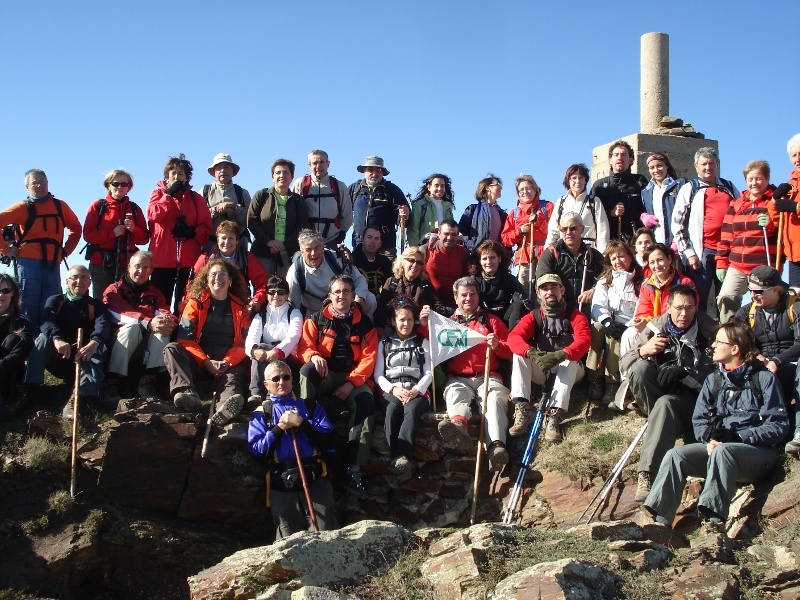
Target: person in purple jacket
270,436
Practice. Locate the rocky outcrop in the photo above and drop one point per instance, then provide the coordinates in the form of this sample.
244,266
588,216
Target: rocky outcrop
565,579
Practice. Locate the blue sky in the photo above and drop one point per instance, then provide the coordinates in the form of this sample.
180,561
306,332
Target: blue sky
458,87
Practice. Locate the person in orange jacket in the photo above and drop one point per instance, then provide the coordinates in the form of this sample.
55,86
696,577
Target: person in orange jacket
208,345
787,200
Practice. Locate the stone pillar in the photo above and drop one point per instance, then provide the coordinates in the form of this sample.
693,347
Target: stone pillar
655,80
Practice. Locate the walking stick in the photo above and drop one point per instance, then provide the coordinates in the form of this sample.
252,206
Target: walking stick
480,433
619,225
402,234
76,396
766,245
583,279
214,399
612,477
304,480
530,266
780,239
527,456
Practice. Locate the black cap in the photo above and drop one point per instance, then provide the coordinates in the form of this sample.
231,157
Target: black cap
766,277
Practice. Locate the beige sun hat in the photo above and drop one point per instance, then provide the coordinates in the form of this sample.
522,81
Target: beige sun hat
223,158
373,161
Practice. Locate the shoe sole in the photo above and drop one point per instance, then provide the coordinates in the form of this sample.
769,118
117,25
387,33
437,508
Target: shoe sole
231,408
188,402
498,461
453,435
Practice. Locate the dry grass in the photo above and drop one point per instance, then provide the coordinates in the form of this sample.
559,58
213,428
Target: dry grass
61,503
42,454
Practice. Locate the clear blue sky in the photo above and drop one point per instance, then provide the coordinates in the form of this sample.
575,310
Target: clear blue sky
458,87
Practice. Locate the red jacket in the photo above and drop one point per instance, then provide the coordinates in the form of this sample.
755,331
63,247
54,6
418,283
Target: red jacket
741,244
98,230
444,268
522,337
472,362
511,236
363,342
190,329
123,302
254,274
163,212
653,299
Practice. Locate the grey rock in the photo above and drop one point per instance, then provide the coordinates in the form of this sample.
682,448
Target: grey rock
566,579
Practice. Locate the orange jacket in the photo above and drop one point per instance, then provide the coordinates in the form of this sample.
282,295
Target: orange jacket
194,316
363,341
48,226
791,222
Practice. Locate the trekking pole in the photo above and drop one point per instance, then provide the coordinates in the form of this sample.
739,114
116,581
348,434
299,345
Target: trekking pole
766,245
304,480
402,234
214,398
780,239
117,253
583,279
619,225
527,456
615,473
76,396
530,266
480,433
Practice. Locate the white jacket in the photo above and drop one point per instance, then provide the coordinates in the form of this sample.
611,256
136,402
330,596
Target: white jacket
688,233
599,230
280,329
617,302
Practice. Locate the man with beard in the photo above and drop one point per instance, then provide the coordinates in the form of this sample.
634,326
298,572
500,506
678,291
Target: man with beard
376,268
621,192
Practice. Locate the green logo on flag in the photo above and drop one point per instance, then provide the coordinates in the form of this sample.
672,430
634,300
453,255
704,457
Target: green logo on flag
453,338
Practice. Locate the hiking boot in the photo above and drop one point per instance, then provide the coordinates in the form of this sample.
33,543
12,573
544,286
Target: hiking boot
230,408
552,431
793,447
401,466
187,399
455,432
523,417
610,396
110,394
255,401
713,526
147,390
68,412
498,457
355,486
643,485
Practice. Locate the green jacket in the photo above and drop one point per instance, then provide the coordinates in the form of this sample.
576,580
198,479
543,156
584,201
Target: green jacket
423,218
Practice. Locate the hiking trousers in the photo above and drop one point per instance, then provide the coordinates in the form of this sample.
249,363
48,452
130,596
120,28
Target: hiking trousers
461,391
184,370
290,511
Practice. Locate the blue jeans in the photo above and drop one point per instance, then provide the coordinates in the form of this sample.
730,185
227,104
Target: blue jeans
794,273
37,282
44,356
705,276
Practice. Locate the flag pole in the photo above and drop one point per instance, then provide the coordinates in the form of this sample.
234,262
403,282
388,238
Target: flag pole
480,433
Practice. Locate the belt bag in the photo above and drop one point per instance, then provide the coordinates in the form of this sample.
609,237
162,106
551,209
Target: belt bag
288,479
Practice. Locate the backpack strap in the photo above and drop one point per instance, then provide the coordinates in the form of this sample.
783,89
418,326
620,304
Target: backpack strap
43,241
239,194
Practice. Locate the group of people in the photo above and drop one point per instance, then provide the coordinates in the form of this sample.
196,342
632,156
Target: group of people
261,296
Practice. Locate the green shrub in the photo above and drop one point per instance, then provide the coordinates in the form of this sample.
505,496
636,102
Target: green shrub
60,502
42,454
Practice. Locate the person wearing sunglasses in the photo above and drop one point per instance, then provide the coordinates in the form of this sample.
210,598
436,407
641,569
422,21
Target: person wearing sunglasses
273,335
773,317
577,264
274,427
739,422
339,347
665,368
114,226
16,342
484,219
409,280
55,348
228,248
210,343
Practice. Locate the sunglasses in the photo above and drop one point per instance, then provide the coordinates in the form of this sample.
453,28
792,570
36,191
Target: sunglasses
570,229
279,292
758,292
415,261
119,184
282,377
5,290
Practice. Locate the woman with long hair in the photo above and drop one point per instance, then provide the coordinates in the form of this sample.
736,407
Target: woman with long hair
655,289
434,203
499,291
659,197
408,279
17,342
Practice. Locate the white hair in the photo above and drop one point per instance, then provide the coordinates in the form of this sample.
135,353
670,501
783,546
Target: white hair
794,141
570,216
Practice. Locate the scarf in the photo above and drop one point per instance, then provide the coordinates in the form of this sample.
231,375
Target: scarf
338,315
556,310
462,319
72,297
674,330
493,280
481,222
138,289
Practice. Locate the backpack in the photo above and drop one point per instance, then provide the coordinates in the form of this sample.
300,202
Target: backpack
416,348
751,314
91,248
725,186
236,188
300,271
43,241
306,186
755,385
263,312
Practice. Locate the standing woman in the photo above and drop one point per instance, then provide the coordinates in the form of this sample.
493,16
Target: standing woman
578,200
180,224
531,213
485,219
659,196
434,203
741,246
403,372
16,343
787,200
114,226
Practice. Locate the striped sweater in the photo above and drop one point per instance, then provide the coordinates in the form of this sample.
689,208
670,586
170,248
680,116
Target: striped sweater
741,244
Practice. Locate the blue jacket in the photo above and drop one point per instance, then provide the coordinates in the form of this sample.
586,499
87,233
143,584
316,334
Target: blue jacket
62,319
376,207
263,436
729,397
668,201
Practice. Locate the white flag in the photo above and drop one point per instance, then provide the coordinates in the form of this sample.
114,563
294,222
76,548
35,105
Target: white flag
449,339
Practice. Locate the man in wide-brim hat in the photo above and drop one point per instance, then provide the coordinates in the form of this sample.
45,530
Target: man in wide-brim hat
226,200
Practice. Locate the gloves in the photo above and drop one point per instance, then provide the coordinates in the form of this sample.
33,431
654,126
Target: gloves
176,187
183,232
613,329
648,220
782,191
533,354
721,434
789,206
763,220
548,360
669,377
721,273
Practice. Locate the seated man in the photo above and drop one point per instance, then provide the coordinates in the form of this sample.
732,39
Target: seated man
339,347
739,422
62,316
145,324
666,367
445,261
465,377
553,338
375,267
311,272
304,420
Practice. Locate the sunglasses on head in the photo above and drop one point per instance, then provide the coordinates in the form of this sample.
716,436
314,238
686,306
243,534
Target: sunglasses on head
281,377
279,292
